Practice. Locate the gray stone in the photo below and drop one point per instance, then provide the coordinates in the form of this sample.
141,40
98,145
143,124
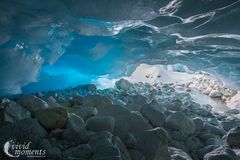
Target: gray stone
75,121
84,112
198,124
227,125
153,144
232,111
52,118
14,112
213,129
77,136
233,137
178,154
86,87
51,151
136,155
78,100
100,123
130,141
83,151
137,99
155,117
123,85
157,106
32,103
179,120
221,153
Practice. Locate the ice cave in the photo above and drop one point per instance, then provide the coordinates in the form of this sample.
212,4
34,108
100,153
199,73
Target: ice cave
120,79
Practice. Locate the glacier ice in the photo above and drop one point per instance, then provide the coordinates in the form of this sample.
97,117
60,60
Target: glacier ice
62,43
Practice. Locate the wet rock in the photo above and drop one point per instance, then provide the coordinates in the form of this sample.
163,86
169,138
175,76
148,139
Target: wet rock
100,123
198,124
26,130
77,136
175,105
233,137
87,88
153,144
221,153
75,121
178,154
213,129
51,151
125,121
78,100
107,146
232,111
137,99
14,112
84,112
124,85
136,155
179,120
52,118
157,106
96,101
32,103
130,141
215,94
206,149
193,143
82,151
227,125
155,117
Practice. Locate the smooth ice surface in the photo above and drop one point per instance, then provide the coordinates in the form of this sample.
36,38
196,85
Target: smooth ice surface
62,43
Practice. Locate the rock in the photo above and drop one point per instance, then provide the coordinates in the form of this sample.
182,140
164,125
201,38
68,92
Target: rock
193,143
124,85
23,131
232,111
221,153
205,150
135,122
227,125
51,151
233,137
96,101
130,141
57,133
78,100
77,136
179,120
137,99
175,105
133,107
86,87
136,155
100,123
157,106
32,103
178,154
84,112
213,129
82,151
52,118
14,112
198,124
155,117
107,146
215,94
153,144
75,121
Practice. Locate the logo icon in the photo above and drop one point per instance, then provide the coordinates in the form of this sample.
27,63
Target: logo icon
13,149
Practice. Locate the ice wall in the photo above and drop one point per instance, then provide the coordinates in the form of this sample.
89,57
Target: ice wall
61,43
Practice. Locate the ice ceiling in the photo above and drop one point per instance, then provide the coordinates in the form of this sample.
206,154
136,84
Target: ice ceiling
53,44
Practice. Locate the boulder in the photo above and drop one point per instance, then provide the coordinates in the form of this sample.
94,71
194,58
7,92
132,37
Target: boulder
75,121
86,88
178,154
78,100
157,106
14,112
124,85
82,151
221,153
199,124
125,121
100,123
179,120
214,129
136,99
107,146
215,94
84,112
51,151
52,118
32,103
130,141
233,137
227,125
155,117
153,144
96,101
232,111
136,155
23,131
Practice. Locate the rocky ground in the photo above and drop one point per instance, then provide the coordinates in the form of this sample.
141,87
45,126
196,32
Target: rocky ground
130,122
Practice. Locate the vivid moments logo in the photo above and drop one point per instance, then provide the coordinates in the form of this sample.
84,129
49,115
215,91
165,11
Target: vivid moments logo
13,149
